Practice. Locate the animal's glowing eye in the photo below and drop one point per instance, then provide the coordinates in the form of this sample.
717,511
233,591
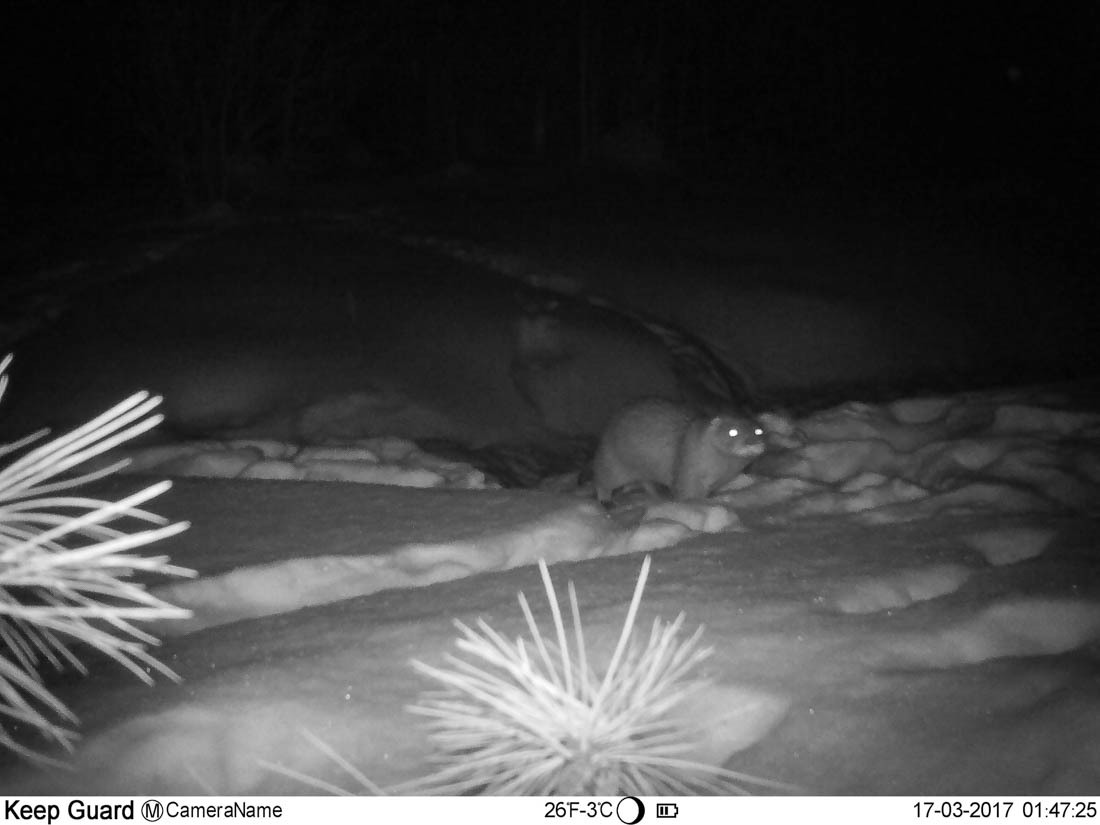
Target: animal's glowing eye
759,431
733,432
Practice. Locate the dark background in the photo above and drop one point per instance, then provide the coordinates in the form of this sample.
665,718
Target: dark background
139,88
973,117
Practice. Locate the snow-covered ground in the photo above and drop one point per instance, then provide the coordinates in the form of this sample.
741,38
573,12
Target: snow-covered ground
903,598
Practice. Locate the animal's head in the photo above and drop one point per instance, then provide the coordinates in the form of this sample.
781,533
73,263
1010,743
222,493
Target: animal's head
738,435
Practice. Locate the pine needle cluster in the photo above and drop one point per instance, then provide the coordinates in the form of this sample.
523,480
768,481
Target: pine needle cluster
67,568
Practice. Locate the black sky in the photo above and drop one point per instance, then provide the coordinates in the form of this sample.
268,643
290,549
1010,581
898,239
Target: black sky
916,87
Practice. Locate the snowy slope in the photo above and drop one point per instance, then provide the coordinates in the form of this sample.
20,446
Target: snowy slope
902,598
910,604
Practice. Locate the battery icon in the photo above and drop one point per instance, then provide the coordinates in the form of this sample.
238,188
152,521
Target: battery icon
667,810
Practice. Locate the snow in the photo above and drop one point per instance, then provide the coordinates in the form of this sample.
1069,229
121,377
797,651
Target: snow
953,619
903,598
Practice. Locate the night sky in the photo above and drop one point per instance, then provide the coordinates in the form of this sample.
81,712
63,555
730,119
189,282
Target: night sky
102,91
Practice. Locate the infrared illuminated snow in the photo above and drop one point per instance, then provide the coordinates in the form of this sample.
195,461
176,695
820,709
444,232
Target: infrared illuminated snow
902,598
900,606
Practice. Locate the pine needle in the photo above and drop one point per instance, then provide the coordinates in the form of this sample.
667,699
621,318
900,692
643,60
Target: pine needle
65,570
